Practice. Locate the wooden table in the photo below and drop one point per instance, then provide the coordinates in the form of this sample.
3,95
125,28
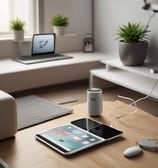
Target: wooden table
24,151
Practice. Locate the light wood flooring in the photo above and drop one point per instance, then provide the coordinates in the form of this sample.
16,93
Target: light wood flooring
78,90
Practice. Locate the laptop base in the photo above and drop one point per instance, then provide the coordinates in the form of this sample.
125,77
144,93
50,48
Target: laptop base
34,60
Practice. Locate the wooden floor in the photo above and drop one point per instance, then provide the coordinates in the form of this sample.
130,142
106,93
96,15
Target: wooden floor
78,90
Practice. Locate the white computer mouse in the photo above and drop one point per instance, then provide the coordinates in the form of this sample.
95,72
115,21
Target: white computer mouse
3,164
132,151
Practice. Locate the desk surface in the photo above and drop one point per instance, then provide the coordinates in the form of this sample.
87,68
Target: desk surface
51,72
25,151
8,65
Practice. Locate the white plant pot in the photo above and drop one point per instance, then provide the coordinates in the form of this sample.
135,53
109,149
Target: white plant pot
25,48
18,35
59,30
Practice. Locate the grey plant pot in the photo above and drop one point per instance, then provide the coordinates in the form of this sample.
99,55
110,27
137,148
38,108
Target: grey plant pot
133,54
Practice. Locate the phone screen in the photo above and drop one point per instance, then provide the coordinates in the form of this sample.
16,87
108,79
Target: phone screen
85,123
97,128
105,132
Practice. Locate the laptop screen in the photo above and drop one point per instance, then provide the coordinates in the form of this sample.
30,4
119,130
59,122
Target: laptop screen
43,44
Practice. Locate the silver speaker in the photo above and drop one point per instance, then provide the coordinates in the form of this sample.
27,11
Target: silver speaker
94,101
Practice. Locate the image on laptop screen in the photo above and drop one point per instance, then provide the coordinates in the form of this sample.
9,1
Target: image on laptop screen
43,44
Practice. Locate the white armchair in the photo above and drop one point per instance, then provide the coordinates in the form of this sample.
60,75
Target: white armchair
8,115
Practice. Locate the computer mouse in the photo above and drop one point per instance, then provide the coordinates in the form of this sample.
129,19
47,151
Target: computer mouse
132,151
3,164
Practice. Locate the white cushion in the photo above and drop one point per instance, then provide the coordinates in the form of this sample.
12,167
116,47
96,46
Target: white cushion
8,115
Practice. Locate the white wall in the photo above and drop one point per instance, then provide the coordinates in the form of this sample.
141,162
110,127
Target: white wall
109,14
80,18
79,12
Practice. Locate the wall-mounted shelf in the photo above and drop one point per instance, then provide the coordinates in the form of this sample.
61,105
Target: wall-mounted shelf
137,78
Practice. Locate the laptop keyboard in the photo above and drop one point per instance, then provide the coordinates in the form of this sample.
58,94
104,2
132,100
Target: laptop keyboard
38,59
41,56
47,56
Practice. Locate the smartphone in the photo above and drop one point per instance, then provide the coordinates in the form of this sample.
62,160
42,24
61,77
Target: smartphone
97,128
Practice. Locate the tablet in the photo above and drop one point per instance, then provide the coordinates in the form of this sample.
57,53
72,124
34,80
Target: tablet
77,135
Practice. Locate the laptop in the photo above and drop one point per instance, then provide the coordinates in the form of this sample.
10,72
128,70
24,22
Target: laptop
43,50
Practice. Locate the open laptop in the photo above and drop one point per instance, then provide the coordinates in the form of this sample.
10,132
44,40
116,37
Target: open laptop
43,49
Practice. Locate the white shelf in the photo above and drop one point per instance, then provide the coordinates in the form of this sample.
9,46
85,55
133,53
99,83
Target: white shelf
139,70
135,78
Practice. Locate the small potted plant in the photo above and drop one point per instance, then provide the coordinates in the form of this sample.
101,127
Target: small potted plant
59,22
17,26
133,43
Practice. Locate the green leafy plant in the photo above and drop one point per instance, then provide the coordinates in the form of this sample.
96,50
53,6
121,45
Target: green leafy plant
132,33
17,24
59,20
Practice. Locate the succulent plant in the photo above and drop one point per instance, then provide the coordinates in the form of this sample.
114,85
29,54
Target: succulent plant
132,33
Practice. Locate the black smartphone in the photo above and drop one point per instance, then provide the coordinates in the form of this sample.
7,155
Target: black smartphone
85,123
97,128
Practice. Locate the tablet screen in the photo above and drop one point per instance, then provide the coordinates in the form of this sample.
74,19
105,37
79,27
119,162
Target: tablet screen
70,138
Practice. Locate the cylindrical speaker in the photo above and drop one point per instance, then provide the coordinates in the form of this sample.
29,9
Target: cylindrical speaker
94,101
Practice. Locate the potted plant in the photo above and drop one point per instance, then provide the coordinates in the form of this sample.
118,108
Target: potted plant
133,43
17,25
59,22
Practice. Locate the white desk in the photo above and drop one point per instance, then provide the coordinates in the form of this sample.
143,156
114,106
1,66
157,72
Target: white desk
137,78
15,76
